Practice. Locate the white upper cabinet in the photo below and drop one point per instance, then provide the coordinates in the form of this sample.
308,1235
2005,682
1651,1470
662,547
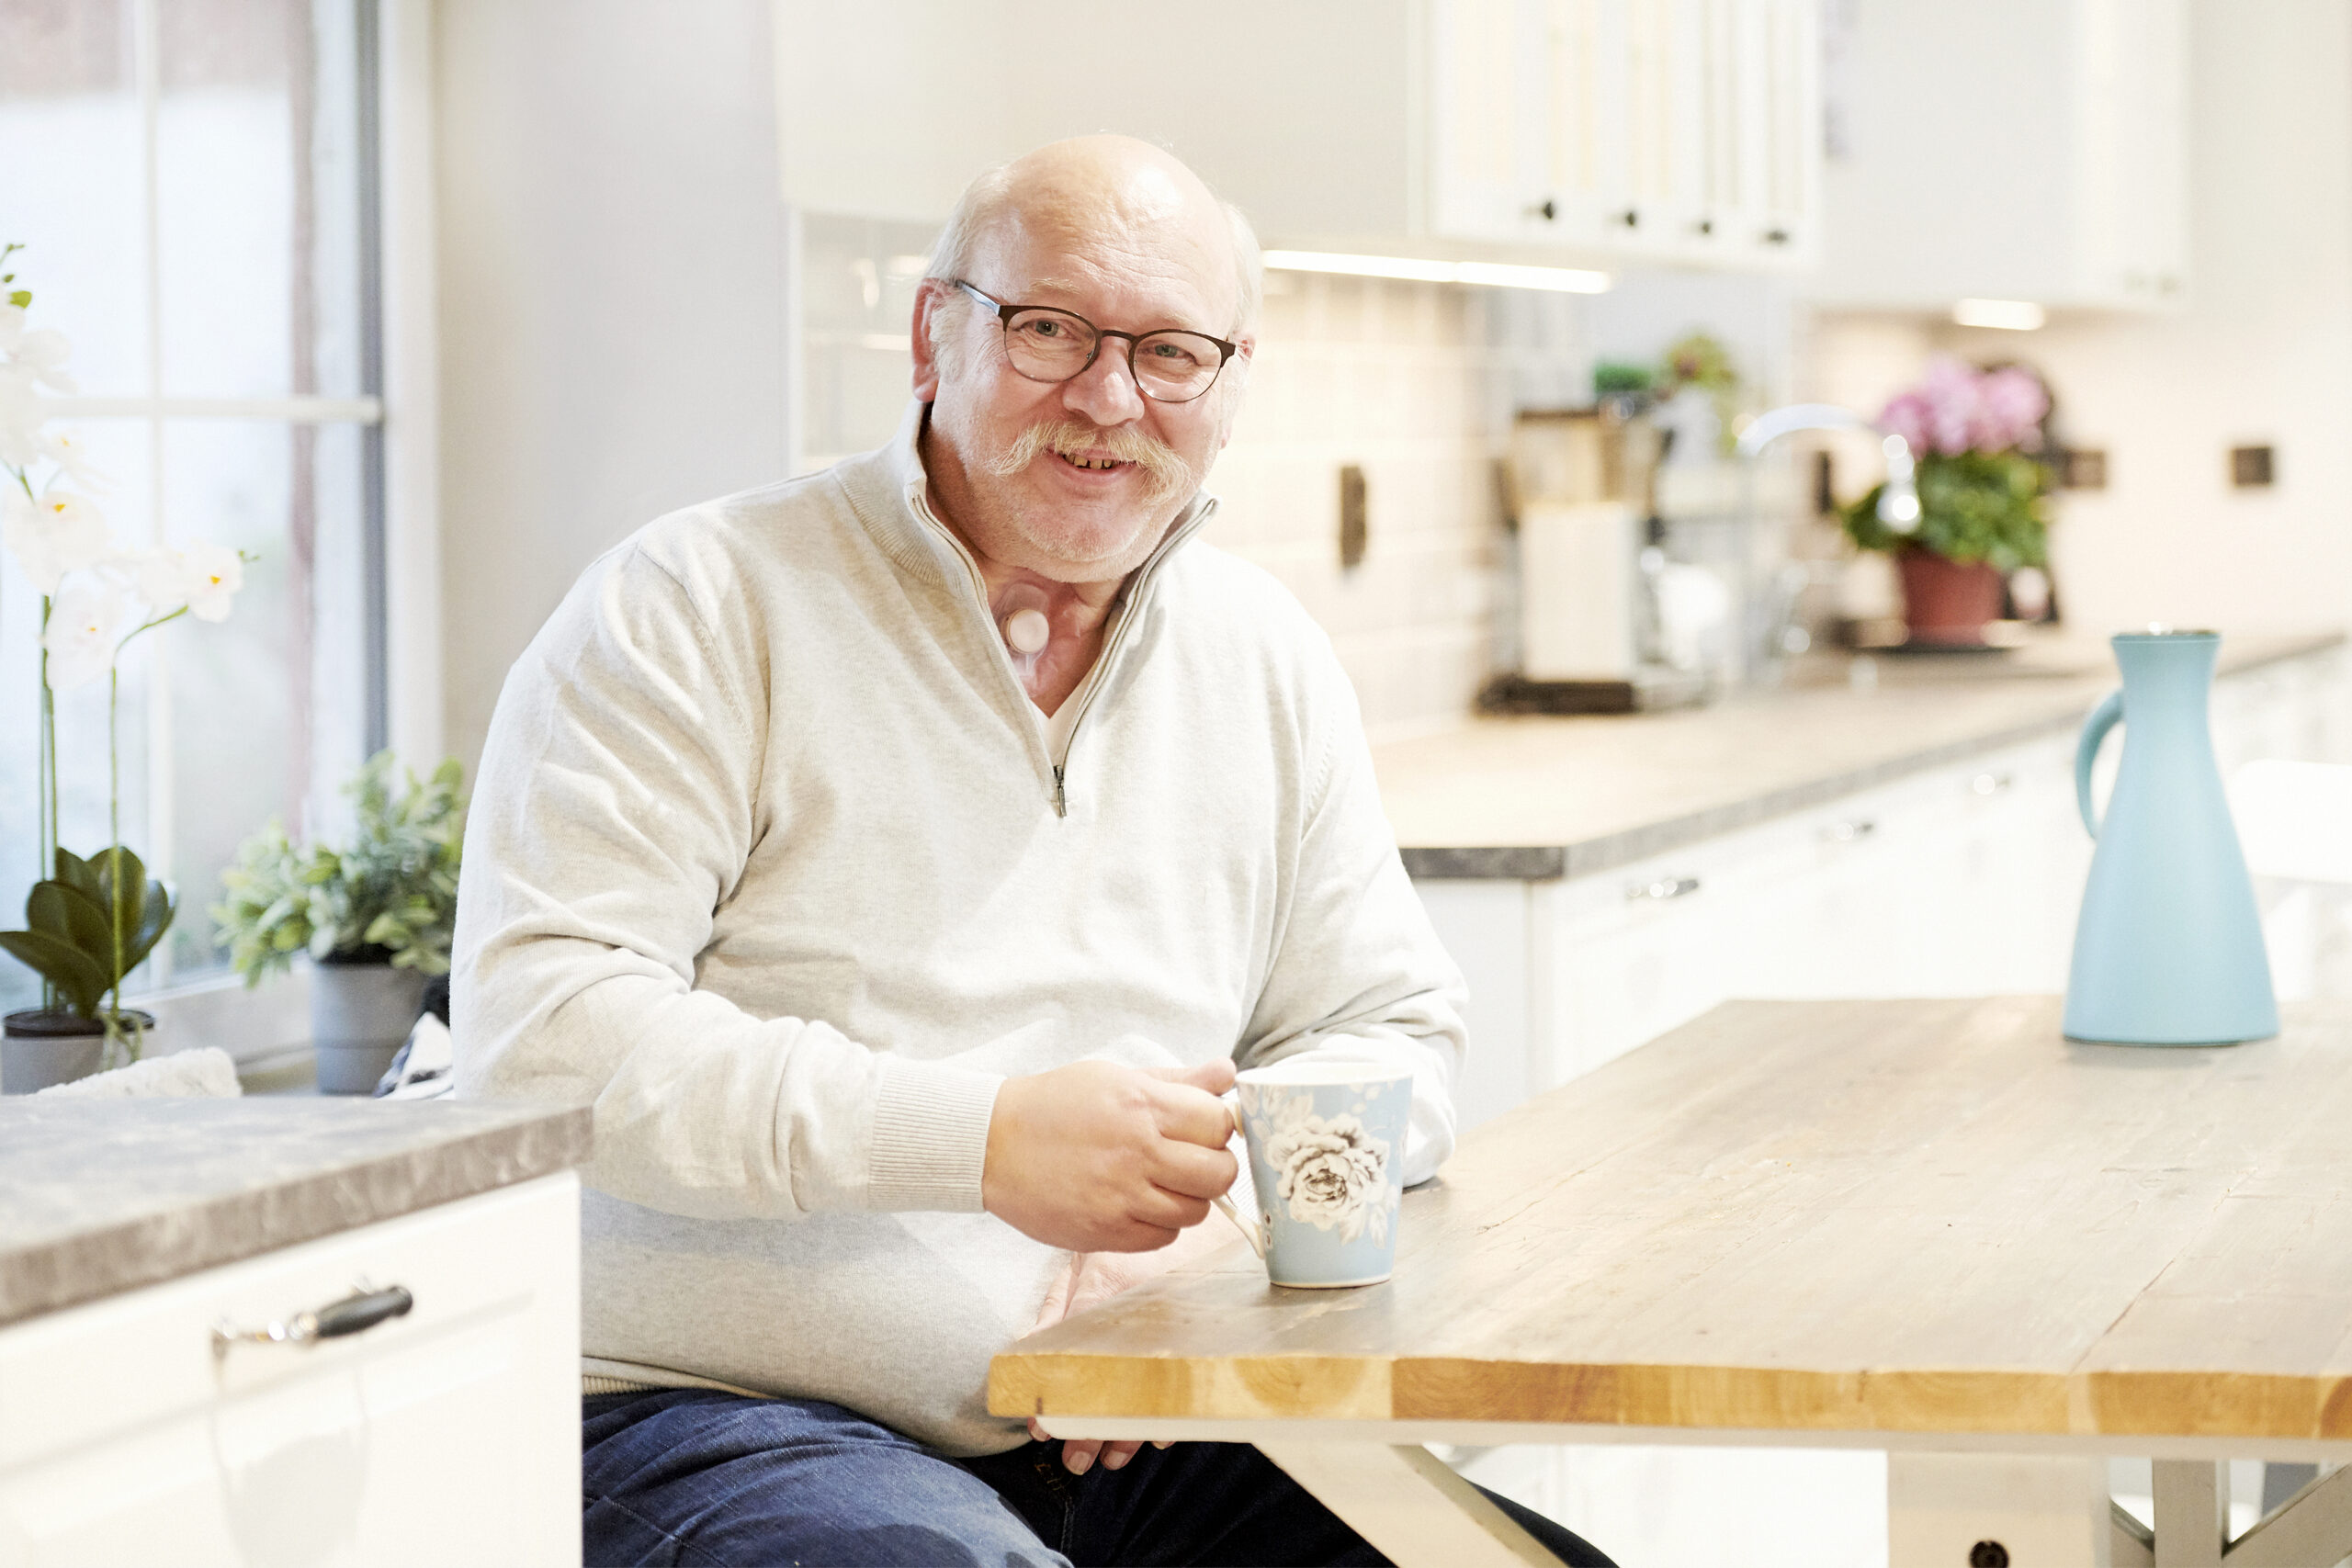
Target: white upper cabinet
1677,131
2030,150
1571,131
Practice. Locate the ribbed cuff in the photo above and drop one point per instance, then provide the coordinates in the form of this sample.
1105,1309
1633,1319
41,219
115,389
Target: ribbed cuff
931,1136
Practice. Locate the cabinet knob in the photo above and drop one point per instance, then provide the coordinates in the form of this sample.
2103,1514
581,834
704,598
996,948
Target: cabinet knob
1703,226
1663,888
1990,783
1547,210
1851,829
1630,217
354,1313
1777,236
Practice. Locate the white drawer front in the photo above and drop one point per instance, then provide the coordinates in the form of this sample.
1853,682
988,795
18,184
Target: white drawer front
446,1436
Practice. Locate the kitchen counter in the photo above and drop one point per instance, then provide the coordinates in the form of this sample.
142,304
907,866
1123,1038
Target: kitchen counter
1536,798
97,1197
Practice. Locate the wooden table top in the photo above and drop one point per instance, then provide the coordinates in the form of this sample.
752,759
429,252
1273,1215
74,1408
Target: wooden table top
1881,1216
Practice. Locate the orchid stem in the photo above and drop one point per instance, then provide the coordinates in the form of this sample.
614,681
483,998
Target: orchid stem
114,835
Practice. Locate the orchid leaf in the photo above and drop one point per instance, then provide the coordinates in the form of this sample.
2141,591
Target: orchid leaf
56,910
72,971
77,872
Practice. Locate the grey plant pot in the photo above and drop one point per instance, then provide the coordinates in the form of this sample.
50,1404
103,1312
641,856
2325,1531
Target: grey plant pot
359,1015
41,1050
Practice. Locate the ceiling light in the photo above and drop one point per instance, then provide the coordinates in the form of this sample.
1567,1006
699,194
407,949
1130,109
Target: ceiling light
1412,269
2009,315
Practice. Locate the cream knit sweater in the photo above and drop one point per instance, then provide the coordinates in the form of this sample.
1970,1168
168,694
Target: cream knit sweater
769,860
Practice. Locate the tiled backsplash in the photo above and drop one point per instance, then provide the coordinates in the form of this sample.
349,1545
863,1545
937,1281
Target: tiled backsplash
1411,382
1416,383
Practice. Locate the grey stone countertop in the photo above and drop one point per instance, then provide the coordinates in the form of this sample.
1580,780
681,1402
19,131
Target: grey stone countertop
1536,798
100,1196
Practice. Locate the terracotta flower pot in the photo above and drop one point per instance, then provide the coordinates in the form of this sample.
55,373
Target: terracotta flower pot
1945,601
43,1049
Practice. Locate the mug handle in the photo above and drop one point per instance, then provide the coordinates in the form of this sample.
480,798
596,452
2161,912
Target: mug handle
1248,1228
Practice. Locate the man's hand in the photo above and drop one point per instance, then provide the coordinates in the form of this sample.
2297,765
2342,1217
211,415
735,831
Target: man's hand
1095,1277
1098,1157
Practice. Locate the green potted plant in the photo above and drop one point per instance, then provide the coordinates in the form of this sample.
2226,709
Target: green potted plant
89,920
1983,496
375,916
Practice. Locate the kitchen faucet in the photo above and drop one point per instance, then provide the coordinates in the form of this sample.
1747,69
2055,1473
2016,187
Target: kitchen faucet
1899,502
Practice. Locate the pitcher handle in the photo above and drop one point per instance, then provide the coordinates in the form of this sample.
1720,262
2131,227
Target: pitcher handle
2103,718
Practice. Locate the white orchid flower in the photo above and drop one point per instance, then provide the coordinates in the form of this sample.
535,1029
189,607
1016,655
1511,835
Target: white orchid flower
59,533
74,458
41,354
163,579
20,417
215,573
84,622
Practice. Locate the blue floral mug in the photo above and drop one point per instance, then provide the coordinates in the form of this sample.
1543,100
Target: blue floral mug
1326,1153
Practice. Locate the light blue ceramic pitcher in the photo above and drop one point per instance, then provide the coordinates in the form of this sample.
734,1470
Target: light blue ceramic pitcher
2168,951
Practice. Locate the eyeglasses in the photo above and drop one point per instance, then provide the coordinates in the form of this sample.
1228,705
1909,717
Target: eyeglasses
1046,344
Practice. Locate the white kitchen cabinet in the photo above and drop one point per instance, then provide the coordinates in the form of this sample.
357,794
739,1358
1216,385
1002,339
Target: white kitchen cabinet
1565,130
1960,880
2029,150
1681,130
449,1435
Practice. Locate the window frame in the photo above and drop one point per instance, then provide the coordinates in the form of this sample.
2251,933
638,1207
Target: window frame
397,416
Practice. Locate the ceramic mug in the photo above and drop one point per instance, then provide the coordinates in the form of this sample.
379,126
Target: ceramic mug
1327,1153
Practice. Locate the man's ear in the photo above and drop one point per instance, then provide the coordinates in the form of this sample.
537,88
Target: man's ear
1244,350
930,296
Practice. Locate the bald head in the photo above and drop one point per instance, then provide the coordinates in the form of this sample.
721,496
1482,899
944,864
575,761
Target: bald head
1110,192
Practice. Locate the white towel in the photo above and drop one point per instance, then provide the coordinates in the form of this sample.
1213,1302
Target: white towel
205,1074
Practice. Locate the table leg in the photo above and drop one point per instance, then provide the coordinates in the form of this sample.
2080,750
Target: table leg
2313,1526
1406,1503
2004,1511
2192,1512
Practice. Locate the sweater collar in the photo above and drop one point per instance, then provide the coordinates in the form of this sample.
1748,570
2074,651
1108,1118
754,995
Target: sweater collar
888,489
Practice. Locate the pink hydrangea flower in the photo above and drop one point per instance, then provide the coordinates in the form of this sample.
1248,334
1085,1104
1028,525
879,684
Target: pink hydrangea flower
1957,407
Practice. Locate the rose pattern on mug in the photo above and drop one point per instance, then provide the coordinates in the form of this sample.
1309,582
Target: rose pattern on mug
1331,1172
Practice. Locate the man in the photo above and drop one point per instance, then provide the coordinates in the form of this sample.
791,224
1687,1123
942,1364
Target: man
901,859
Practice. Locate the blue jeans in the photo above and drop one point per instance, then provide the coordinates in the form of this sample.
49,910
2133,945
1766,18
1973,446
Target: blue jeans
702,1479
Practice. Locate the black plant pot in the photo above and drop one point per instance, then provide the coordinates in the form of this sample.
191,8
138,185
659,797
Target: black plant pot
41,1049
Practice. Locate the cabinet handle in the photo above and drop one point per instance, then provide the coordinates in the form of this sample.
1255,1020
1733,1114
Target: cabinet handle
1849,830
354,1313
1777,236
1990,783
1630,217
1547,211
1663,888
1705,226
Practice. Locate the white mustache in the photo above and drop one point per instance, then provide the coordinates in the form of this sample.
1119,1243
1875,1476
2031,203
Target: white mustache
1170,476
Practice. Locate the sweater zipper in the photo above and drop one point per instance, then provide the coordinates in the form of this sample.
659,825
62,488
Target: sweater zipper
1127,612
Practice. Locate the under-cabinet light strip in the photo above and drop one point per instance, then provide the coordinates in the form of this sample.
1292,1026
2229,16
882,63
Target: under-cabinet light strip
1414,269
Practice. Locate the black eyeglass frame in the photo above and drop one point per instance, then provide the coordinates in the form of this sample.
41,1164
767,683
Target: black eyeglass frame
1005,311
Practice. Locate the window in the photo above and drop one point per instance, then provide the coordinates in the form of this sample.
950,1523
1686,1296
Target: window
194,185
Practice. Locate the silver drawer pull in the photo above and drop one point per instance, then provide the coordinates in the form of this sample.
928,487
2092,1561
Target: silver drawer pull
355,1314
1990,783
1664,888
1849,830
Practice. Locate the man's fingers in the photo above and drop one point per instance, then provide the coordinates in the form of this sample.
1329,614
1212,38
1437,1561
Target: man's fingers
1129,1234
1117,1454
1056,1306
1168,1211
1210,1077
1077,1454
1193,1171
1195,1116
